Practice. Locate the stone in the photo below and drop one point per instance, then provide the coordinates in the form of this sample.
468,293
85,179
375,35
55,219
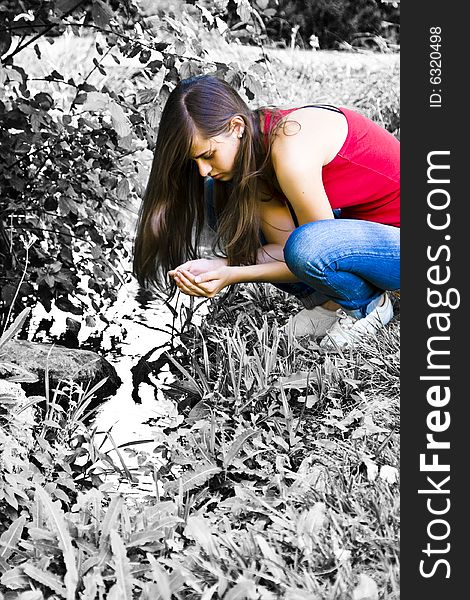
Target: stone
63,364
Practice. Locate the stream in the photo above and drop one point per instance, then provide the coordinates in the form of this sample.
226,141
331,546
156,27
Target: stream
145,326
137,325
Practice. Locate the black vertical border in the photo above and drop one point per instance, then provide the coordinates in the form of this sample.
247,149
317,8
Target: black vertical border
426,129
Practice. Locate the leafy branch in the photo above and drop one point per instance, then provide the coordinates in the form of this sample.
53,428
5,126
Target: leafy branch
42,33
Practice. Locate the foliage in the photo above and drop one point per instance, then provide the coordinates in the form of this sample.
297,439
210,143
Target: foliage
280,482
71,145
74,142
275,473
331,24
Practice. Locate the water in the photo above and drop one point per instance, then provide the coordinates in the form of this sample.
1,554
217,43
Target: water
133,326
144,326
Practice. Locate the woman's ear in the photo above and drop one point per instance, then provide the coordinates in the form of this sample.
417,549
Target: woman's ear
237,126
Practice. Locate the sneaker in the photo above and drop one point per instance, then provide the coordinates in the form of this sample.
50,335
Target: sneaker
349,329
314,322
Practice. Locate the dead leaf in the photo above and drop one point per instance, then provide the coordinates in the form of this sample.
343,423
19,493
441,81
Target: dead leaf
366,589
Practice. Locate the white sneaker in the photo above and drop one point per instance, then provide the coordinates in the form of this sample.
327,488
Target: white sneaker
348,329
314,322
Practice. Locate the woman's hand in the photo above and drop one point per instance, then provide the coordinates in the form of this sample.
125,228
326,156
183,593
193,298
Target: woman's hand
207,284
201,265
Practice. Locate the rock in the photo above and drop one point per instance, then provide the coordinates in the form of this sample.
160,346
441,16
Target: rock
63,364
13,398
11,393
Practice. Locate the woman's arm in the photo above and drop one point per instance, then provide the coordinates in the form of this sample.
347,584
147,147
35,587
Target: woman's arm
209,284
298,159
269,272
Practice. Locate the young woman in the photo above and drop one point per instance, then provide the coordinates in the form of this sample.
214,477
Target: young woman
305,198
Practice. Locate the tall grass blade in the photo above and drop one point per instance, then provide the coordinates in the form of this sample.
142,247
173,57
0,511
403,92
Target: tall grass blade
122,566
182,370
56,518
14,327
112,515
47,579
10,537
159,575
121,459
195,478
237,446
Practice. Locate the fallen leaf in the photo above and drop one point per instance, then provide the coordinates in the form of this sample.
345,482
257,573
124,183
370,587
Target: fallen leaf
366,589
389,474
372,468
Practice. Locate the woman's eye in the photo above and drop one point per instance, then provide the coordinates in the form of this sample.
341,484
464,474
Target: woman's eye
209,156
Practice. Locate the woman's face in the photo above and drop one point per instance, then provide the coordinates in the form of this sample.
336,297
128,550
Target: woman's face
215,157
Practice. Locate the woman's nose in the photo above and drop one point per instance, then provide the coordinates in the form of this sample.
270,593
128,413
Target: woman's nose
204,168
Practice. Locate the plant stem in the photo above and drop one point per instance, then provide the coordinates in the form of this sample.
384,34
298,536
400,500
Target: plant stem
27,246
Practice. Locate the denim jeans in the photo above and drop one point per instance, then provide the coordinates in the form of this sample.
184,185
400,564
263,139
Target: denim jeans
350,261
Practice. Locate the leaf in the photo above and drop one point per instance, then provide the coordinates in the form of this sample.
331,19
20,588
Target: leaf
372,468
244,589
123,189
311,400
112,515
311,476
23,376
160,576
237,445
297,380
191,380
101,13
56,518
243,10
366,589
388,474
14,579
209,17
14,327
209,592
5,43
64,6
275,562
10,537
122,566
252,85
95,101
194,478
120,121
46,578
222,26
199,530
368,427
201,410
311,521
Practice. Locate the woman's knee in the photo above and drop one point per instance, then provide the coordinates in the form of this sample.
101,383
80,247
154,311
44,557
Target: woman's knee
308,245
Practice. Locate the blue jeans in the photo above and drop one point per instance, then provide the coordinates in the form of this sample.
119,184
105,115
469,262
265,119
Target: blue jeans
349,261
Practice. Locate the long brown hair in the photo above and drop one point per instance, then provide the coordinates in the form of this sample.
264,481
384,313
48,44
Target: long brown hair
171,218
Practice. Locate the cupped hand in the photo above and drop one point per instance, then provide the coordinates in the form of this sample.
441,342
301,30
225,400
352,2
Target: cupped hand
200,265
207,284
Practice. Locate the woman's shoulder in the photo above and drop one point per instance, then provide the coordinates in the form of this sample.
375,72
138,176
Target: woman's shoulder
309,133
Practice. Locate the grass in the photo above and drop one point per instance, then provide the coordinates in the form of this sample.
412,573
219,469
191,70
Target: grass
310,491
282,480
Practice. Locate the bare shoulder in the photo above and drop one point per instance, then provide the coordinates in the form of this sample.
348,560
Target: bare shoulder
309,134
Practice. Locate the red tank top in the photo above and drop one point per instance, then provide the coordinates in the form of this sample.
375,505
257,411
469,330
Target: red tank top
363,179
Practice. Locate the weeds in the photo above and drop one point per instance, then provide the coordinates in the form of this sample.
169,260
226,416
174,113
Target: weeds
281,481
